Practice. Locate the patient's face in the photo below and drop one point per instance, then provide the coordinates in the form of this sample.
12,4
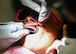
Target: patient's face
43,37
31,24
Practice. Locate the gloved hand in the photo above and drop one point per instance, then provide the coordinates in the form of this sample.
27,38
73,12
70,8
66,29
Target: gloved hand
70,43
10,32
44,13
69,48
31,4
43,9
57,43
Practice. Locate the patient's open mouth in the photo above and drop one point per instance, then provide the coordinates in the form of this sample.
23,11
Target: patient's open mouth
32,31
32,28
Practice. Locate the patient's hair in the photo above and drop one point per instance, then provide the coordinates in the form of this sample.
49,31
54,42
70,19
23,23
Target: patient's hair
27,12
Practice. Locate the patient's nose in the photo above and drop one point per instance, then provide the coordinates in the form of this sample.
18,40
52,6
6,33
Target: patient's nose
29,20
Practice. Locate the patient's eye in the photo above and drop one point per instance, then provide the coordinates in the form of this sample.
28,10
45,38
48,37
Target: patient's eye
32,20
26,20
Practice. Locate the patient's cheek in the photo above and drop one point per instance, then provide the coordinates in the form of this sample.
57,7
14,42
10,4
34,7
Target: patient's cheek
18,50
